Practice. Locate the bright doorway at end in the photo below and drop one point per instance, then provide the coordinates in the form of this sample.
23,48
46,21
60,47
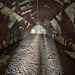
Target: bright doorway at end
38,30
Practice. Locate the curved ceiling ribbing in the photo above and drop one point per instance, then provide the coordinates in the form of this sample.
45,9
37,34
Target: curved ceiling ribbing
28,10
26,16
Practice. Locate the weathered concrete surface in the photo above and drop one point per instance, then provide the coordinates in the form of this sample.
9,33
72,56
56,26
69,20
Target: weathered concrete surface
71,53
19,16
35,55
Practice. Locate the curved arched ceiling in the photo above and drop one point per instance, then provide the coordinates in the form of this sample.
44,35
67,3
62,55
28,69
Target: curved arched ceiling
27,9
19,16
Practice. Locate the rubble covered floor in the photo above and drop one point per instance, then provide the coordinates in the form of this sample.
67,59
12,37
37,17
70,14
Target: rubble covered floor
36,55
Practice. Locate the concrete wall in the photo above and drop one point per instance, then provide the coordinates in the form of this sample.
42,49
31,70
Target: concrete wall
70,12
15,21
65,29
12,26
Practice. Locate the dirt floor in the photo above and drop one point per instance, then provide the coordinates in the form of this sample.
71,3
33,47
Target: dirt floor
67,62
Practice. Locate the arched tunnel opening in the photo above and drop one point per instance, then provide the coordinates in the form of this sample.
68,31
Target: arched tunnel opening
38,30
23,51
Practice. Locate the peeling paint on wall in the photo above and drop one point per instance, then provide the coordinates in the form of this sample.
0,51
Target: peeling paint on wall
25,21
67,1
19,19
11,41
12,23
5,11
70,12
12,16
28,25
13,8
17,26
26,1
20,27
59,16
13,3
73,45
4,42
56,26
1,5
23,13
61,40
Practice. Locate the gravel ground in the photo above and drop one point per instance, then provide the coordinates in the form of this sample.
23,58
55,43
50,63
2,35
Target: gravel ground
35,55
50,58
